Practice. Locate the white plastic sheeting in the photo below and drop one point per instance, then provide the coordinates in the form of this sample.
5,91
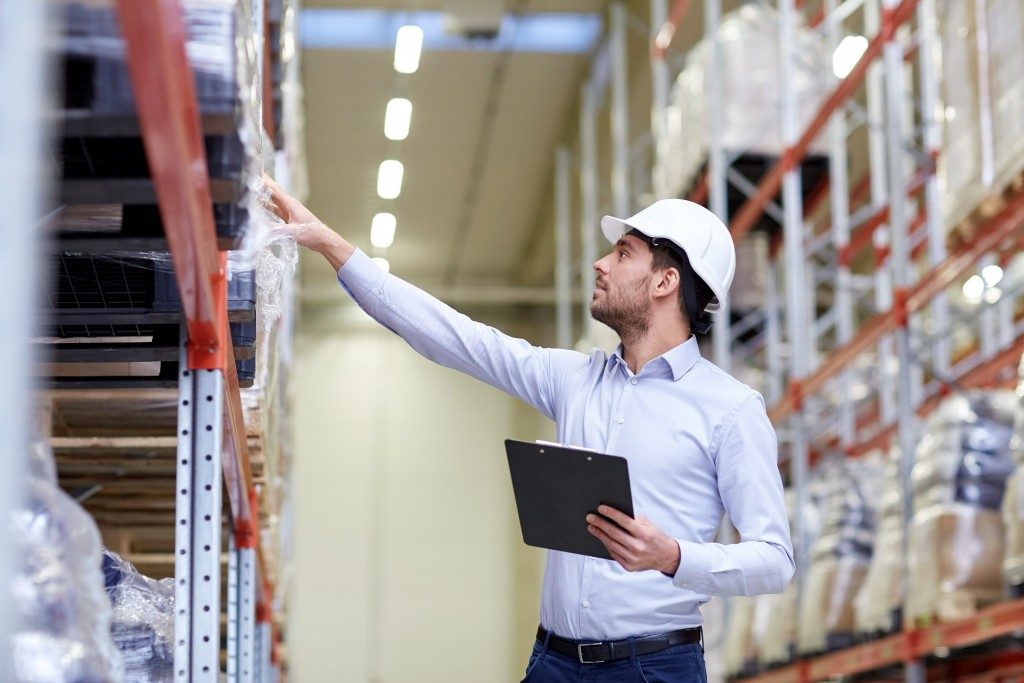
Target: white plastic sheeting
751,112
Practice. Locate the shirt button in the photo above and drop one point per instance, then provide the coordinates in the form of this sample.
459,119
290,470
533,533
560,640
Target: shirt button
632,381
620,420
586,603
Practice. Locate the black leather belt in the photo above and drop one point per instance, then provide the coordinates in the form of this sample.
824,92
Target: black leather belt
595,653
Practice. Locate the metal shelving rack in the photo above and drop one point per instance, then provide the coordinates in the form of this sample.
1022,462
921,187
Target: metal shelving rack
212,453
808,345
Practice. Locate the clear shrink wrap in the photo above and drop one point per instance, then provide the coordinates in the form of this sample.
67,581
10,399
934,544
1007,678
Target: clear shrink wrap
983,96
751,112
839,556
143,620
56,593
956,535
221,51
880,599
1013,500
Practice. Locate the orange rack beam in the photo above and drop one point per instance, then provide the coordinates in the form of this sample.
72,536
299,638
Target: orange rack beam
1006,224
172,134
991,622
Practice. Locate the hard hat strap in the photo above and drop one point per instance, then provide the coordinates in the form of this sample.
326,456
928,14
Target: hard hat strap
700,320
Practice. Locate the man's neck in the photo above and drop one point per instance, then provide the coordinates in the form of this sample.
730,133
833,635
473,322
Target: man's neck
637,351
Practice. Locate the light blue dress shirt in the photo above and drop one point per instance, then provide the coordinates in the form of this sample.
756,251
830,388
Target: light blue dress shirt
698,442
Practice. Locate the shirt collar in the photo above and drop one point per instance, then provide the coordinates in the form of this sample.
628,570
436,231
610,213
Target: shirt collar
679,359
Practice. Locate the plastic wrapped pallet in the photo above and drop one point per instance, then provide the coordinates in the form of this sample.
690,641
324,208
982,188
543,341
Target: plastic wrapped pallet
1013,501
57,589
840,556
739,642
877,605
775,615
983,95
143,620
956,536
750,91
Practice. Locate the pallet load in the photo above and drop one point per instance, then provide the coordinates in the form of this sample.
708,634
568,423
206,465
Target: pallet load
143,620
739,653
879,602
956,535
56,592
839,556
775,615
751,123
1013,502
983,95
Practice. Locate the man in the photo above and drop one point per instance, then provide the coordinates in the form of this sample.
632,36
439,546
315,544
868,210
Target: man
698,442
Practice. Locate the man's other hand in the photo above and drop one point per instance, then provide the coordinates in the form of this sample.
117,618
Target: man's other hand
636,544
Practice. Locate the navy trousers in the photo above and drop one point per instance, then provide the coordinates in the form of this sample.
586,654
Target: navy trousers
677,664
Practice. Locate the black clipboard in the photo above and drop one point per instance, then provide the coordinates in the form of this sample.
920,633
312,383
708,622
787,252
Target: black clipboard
557,486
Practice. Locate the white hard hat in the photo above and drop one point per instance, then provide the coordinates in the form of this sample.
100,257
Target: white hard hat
693,229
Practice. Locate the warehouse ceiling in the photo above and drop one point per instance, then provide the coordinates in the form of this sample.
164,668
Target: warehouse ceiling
478,158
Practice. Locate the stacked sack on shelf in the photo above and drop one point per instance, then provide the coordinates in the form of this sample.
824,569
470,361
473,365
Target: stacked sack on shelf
956,535
749,39
983,95
143,620
878,604
739,654
56,593
840,554
775,615
1013,502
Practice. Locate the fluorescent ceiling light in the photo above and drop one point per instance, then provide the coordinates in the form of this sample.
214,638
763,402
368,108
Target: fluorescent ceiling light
382,263
992,275
389,179
375,29
847,54
397,118
407,49
974,289
382,230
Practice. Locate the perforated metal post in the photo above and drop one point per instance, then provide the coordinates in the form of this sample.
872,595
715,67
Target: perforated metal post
198,528
721,337
183,515
589,224
206,522
242,591
563,249
621,199
840,214
233,613
797,306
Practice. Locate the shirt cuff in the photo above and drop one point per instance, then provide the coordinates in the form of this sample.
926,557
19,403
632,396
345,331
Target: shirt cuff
694,566
360,275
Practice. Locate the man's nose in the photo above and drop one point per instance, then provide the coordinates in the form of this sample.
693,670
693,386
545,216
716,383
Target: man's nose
599,265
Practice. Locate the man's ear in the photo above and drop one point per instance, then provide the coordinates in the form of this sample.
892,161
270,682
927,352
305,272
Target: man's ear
667,282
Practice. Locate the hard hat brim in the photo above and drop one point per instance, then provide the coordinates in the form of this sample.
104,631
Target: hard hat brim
614,228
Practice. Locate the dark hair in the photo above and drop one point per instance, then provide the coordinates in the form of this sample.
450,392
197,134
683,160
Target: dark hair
666,255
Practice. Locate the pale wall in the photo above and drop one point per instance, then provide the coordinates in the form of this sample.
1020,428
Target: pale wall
409,565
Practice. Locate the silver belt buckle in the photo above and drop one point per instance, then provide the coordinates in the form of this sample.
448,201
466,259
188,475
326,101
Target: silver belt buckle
579,653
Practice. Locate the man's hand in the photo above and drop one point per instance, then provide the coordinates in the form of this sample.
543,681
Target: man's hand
636,544
302,225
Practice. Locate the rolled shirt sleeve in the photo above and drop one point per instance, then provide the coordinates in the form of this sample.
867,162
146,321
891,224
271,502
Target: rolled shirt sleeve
750,487
449,338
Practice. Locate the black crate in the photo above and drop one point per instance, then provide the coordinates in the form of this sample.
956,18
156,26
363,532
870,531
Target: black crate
813,171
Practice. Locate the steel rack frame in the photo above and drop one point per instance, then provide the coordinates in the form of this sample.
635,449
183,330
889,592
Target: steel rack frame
809,352
212,449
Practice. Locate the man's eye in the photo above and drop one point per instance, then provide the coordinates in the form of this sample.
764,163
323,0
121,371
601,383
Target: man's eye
621,254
